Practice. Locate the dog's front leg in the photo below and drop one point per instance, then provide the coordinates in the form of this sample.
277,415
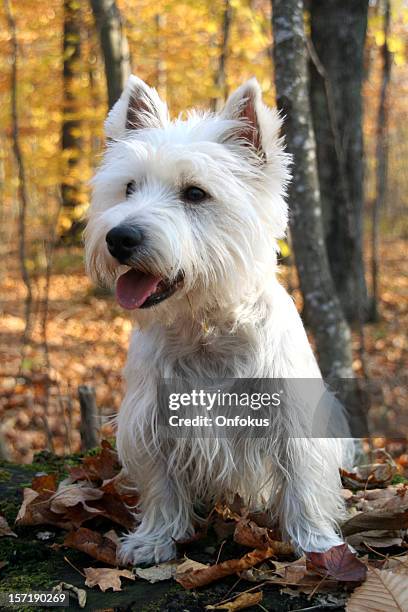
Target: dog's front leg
310,502
165,517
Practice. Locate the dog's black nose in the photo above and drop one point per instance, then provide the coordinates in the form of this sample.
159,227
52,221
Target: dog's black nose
122,241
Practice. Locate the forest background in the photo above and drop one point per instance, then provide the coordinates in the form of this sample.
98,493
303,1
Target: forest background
62,65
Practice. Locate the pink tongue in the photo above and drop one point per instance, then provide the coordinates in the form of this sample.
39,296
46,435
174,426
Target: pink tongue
133,288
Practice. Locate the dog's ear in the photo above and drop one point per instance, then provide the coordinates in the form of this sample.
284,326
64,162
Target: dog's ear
245,104
139,106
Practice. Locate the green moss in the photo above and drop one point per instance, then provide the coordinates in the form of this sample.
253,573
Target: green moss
399,479
5,475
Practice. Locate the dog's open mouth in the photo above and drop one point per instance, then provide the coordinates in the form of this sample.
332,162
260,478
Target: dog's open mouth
136,289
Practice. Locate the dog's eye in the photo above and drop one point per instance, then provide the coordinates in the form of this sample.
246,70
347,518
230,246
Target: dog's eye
130,188
194,194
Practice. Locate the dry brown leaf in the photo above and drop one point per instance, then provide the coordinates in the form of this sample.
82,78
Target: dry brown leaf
243,601
294,574
158,573
375,539
368,521
93,543
380,472
5,530
397,564
392,499
383,591
113,508
29,495
191,577
248,533
103,466
35,511
106,577
44,483
68,496
339,563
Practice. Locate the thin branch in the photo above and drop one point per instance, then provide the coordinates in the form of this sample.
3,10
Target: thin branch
22,184
382,159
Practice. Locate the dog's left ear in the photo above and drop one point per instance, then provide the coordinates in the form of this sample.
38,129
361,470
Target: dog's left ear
139,106
245,104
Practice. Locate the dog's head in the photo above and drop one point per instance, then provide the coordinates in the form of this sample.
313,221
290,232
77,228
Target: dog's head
187,210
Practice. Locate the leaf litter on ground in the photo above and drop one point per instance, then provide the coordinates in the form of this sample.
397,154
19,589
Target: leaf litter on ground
98,489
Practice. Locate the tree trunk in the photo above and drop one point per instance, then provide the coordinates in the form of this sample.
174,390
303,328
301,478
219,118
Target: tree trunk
382,160
324,314
114,46
71,123
338,31
220,75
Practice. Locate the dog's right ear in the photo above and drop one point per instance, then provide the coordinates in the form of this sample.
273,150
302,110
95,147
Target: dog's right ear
139,106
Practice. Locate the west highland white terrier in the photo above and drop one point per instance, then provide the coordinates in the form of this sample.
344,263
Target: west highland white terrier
184,221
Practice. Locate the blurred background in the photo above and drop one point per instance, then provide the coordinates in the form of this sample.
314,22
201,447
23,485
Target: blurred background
62,64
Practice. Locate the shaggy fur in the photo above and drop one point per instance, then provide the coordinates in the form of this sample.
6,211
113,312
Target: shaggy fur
230,317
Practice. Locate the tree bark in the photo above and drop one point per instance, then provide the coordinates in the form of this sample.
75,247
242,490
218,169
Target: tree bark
324,314
338,31
114,46
382,159
220,75
71,123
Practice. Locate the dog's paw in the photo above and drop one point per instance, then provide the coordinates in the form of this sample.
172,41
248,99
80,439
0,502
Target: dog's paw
135,549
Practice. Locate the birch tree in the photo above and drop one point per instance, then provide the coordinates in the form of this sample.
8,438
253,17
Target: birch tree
323,310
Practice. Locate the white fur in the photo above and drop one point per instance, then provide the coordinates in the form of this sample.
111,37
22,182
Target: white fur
231,318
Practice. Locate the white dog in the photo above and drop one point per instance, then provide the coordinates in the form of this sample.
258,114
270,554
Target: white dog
185,218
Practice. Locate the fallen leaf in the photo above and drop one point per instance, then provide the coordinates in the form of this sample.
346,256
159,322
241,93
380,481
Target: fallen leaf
5,530
29,495
397,564
114,509
243,601
367,521
68,496
44,483
92,543
106,577
383,591
248,533
375,539
80,593
102,466
339,563
380,472
35,511
157,573
293,574
190,576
